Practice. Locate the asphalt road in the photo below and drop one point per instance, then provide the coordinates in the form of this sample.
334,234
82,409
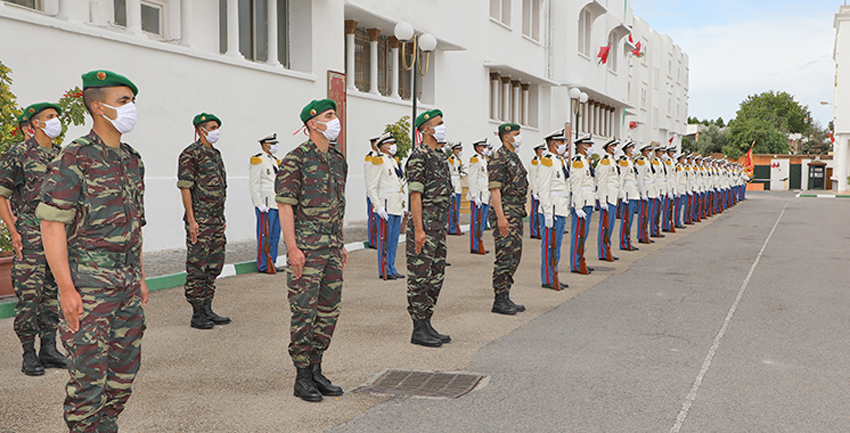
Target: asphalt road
739,327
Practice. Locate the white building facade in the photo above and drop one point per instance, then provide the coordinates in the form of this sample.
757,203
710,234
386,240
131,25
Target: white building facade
841,116
496,61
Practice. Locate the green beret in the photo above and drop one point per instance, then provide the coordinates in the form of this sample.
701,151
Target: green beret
101,78
316,107
508,127
426,116
34,109
204,117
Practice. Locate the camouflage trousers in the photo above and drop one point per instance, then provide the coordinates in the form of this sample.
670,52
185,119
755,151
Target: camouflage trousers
37,309
508,253
105,355
425,272
204,261
314,300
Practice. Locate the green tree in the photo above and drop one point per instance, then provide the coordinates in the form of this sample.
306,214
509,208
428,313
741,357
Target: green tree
719,122
779,109
688,145
401,132
712,139
744,132
9,112
73,111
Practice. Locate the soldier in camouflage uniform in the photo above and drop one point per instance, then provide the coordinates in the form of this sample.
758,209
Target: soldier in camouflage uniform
508,195
430,188
22,170
92,213
310,188
203,187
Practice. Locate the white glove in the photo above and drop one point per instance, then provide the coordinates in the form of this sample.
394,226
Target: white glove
669,195
536,197
643,197
604,206
383,214
477,201
263,208
690,193
549,220
624,200
581,214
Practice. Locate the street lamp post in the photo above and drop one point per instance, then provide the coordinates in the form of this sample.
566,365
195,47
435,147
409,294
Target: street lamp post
579,98
404,32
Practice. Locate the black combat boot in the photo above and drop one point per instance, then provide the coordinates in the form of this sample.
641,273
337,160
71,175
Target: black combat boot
518,307
422,336
199,318
502,305
31,365
442,337
49,356
323,384
215,318
305,388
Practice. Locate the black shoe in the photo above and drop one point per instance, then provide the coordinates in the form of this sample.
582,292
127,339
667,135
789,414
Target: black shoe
589,269
398,276
681,227
49,356
389,277
579,272
518,307
199,318
422,336
305,388
635,249
448,264
502,305
615,258
215,318
323,384
280,268
31,365
442,337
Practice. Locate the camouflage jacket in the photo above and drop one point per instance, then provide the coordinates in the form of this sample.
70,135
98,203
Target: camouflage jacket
313,182
98,192
508,175
428,174
200,169
22,170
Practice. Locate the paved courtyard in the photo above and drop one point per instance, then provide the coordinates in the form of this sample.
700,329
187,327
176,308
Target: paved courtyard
735,324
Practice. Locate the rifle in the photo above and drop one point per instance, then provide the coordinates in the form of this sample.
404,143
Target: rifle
480,226
606,227
581,232
264,221
384,247
553,247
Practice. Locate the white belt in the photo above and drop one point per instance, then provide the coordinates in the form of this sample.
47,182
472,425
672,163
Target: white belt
587,188
559,194
456,177
389,191
649,181
631,182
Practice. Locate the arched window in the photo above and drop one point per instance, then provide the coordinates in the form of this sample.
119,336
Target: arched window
585,20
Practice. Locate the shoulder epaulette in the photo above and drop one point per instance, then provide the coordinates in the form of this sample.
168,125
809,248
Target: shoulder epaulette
368,157
624,162
577,163
605,160
534,161
473,160
640,161
377,160
256,160
546,161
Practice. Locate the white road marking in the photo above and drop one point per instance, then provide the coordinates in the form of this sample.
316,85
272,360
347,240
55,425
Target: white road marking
692,394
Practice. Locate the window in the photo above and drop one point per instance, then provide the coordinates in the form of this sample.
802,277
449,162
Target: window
385,66
643,97
612,54
152,16
254,31
500,10
362,60
32,4
584,23
531,19
670,68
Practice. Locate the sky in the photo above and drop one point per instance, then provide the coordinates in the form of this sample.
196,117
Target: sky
738,48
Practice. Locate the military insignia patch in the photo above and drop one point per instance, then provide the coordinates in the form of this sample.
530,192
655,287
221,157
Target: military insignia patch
313,111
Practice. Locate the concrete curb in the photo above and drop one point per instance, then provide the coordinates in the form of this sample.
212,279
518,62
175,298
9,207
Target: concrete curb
162,282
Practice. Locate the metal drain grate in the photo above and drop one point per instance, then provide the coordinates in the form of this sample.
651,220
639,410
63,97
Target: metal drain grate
422,384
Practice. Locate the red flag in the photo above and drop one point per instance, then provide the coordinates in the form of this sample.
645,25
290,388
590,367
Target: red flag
631,41
632,124
831,137
603,54
671,139
636,52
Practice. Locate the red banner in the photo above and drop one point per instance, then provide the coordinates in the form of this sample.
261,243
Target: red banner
748,163
336,91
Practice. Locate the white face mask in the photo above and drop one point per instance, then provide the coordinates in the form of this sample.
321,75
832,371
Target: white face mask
332,130
440,132
273,148
562,149
212,136
517,142
392,149
487,152
52,127
125,119
460,154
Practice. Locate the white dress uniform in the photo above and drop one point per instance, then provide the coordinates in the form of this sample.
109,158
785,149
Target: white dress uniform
629,197
583,190
261,175
553,188
262,171
386,192
478,178
608,193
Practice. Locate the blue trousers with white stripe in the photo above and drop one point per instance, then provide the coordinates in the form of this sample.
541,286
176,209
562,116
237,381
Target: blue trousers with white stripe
476,229
578,238
606,227
654,215
627,214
